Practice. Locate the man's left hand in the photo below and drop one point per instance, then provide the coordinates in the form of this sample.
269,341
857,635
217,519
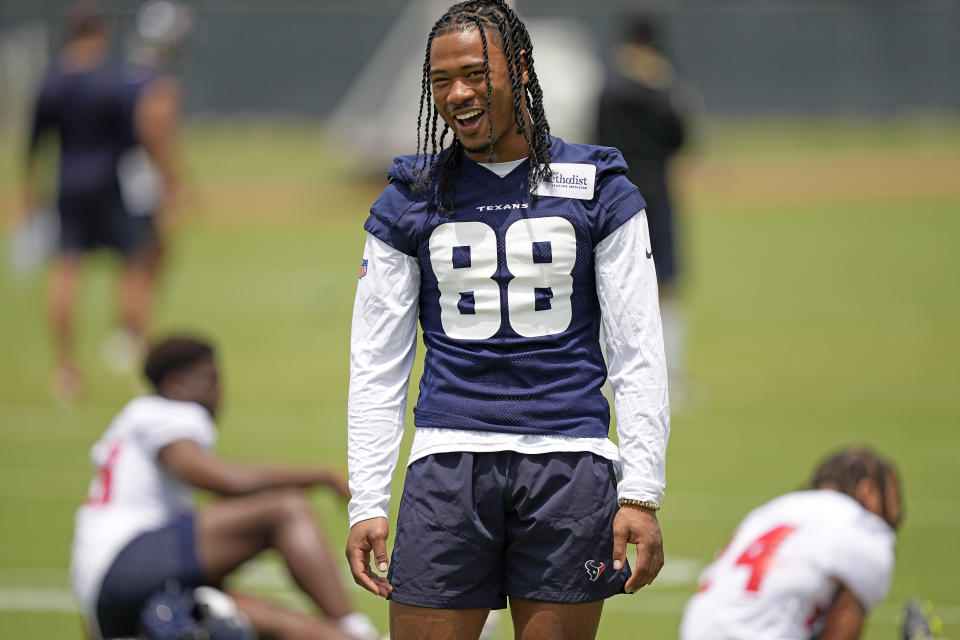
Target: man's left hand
639,526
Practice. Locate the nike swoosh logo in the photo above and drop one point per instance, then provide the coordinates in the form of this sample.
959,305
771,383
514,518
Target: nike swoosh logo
649,253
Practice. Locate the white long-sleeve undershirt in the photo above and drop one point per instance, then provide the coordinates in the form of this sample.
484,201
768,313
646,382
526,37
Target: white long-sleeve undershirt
383,345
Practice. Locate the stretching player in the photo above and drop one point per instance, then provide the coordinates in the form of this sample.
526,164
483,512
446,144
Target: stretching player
512,247
138,528
807,564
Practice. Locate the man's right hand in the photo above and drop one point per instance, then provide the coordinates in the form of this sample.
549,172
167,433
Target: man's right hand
366,536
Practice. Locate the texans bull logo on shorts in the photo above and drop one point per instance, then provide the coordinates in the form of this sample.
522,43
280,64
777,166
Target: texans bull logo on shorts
594,569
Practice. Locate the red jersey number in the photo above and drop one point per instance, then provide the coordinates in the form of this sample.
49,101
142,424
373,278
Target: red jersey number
100,488
759,555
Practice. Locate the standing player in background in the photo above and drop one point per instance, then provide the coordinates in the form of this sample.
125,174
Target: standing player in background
512,247
644,111
97,114
138,528
807,564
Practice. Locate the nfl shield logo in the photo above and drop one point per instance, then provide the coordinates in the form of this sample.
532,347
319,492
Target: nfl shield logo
363,267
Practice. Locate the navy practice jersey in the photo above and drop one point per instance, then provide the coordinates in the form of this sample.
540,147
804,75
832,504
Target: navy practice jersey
92,113
508,302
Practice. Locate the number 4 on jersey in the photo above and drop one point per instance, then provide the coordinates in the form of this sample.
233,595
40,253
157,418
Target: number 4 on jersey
100,490
758,556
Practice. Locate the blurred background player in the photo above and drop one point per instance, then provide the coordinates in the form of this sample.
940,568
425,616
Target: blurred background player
806,564
644,110
99,113
138,528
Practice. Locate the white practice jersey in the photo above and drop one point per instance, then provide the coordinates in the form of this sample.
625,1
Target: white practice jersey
132,492
780,572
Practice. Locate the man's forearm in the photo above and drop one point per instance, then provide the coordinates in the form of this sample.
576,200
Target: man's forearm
844,620
157,118
382,350
626,287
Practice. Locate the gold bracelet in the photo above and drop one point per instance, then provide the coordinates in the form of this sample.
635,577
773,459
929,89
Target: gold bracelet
645,504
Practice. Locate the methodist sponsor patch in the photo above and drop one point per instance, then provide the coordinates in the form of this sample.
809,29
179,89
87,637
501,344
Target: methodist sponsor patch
569,181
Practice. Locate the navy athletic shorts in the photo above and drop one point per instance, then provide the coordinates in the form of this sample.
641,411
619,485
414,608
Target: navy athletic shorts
476,528
141,569
89,223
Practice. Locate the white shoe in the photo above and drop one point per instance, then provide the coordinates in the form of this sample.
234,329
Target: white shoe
359,626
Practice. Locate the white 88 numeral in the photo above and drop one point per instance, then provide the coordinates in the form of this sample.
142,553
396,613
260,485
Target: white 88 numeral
478,243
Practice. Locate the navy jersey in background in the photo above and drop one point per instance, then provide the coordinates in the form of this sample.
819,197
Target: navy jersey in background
92,113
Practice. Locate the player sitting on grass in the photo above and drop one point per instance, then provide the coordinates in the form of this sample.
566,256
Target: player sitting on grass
138,530
807,564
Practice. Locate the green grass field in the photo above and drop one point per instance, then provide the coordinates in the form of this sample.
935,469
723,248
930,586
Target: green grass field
821,291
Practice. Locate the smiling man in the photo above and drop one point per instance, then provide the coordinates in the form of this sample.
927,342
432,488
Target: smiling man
511,247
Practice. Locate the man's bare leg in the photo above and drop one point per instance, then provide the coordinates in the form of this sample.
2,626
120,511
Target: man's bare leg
135,297
271,621
124,348
533,620
408,622
155,252
233,530
62,296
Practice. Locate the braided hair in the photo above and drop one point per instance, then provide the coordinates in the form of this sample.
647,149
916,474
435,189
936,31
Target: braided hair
490,18
845,469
